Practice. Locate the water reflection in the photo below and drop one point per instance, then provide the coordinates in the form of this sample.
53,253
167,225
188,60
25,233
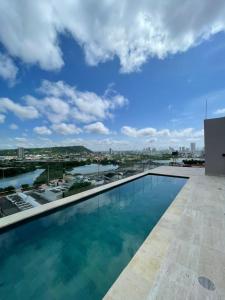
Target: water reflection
78,252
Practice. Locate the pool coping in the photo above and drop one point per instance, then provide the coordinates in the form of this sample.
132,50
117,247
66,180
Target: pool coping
185,244
126,287
44,209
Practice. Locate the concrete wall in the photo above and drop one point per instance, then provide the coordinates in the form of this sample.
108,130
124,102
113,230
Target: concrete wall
215,146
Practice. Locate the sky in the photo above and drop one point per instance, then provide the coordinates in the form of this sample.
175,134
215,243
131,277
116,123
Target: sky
125,74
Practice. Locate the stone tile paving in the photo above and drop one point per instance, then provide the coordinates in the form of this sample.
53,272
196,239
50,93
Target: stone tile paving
184,255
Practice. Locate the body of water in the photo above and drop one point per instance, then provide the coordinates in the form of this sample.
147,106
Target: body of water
93,168
79,251
167,161
16,181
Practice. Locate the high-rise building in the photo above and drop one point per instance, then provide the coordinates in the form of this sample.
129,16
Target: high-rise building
154,150
171,149
110,151
193,147
20,153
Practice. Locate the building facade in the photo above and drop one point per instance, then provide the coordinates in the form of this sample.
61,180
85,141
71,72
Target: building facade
215,146
193,148
20,153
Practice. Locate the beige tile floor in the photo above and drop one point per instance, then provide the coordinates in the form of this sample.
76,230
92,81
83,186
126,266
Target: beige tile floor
188,242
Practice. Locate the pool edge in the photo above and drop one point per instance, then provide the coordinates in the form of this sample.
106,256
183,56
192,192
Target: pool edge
159,235
139,279
45,209
24,216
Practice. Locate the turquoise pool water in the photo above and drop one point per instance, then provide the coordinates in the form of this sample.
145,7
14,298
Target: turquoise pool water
79,251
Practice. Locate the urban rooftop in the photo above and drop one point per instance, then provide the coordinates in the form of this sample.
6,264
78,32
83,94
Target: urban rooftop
188,240
112,150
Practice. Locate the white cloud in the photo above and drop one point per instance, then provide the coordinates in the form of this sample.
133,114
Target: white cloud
23,112
220,111
174,141
152,132
13,126
21,139
62,102
134,31
8,69
193,139
198,133
66,129
133,132
151,141
23,142
56,110
187,132
42,130
31,33
97,127
63,105
2,118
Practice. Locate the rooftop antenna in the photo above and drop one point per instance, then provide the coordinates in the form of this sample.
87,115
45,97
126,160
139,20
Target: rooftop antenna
206,109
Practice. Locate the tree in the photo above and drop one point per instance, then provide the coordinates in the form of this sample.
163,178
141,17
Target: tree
25,186
9,188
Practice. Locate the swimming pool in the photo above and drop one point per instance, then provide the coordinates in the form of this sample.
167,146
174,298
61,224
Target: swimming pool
79,251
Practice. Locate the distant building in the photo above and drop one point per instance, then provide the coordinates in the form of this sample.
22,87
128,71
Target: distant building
110,151
20,153
147,150
193,147
154,151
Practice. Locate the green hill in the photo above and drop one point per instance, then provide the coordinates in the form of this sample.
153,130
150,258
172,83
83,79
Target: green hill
48,150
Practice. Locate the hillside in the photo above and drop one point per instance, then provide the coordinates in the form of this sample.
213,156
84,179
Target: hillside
48,150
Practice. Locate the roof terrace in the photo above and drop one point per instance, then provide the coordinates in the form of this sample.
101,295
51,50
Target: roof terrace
184,255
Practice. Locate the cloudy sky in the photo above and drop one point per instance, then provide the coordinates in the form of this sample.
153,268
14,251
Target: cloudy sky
122,74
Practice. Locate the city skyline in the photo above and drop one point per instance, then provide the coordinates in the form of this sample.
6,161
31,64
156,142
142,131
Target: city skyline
67,83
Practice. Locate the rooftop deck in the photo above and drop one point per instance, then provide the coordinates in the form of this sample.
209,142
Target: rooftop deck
186,245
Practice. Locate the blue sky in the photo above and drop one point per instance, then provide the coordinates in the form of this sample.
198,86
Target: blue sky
87,91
